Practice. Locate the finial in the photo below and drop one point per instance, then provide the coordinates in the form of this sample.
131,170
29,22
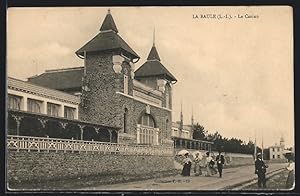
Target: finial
154,37
108,11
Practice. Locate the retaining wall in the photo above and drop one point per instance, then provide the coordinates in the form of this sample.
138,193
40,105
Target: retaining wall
38,167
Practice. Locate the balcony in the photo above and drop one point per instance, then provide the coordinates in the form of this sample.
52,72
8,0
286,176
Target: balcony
23,123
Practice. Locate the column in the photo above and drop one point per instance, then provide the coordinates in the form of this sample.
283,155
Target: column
138,134
24,104
110,136
76,113
81,131
44,107
18,120
62,110
180,143
156,136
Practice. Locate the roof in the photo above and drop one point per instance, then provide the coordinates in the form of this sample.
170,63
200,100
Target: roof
153,55
69,78
185,127
108,23
153,68
107,39
39,90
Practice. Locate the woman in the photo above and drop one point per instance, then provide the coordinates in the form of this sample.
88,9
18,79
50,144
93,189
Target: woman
197,168
290,182
187,163
208,160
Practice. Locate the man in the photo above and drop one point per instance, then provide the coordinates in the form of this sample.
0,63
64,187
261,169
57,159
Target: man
260,170
220,162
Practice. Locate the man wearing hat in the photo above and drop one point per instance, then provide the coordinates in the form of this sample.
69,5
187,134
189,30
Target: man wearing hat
260,170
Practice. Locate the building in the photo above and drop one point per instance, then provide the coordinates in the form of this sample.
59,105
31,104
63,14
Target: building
186,132
182,136
111,93
276,151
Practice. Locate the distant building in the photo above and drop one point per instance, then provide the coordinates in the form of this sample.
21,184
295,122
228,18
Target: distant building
183,136
186,132
276,151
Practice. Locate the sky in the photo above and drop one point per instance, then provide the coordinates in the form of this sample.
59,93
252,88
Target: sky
236,75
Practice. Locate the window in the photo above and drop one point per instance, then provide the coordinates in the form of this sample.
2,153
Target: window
69,112
278,156
147,131
273,149
147,120
146,135
125,84
34,105
14,102
167,100
273,156
125,120
167,123
52,109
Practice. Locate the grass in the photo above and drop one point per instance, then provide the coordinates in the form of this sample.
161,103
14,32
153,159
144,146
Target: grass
276,182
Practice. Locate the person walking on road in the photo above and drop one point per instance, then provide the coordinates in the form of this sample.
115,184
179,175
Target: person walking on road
260,170
209,164
187,163
220,162
197,168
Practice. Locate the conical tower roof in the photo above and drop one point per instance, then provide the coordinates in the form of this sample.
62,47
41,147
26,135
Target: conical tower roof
153,55
108,39
109,23
153,67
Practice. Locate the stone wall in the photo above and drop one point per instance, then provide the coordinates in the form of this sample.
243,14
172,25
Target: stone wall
34,167
106,106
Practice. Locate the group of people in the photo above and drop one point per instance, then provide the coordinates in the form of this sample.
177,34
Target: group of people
261,169
206,163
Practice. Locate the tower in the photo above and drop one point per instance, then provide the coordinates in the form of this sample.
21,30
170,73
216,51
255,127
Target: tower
192,119
155,75
108,69
282,144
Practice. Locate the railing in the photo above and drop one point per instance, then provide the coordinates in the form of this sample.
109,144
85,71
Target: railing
41,144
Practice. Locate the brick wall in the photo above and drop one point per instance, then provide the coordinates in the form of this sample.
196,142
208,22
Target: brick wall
34,167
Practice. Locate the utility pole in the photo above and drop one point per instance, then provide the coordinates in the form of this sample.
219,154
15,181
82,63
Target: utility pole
255,146
262,147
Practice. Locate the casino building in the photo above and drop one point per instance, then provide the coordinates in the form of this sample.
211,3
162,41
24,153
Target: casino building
106,95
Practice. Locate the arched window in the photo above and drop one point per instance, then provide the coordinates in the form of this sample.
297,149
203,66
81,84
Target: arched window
147,133
125,120
147,120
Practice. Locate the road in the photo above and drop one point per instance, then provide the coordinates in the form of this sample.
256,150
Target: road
231,176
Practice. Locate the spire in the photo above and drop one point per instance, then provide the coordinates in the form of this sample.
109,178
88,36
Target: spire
192,118
154,37
181,118
153,55
108,23
255,148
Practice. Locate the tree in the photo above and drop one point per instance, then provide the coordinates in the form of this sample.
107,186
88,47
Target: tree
199,132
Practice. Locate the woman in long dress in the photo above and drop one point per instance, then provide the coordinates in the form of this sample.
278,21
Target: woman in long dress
290,182
197,168
187,163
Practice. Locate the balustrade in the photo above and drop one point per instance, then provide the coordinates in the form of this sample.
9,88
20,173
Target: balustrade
39,144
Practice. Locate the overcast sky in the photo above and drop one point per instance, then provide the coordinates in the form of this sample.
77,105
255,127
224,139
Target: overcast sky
237,73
